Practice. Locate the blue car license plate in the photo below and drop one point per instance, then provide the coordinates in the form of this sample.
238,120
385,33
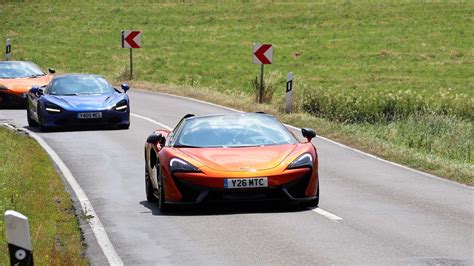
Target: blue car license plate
90,115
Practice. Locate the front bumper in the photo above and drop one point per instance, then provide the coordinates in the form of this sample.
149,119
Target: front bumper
68,118
283,187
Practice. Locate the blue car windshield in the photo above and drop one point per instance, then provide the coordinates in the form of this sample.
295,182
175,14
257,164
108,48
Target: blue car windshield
79,85
17,69
242,130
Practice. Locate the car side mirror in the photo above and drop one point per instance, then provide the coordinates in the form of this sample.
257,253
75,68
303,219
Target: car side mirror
34,89
51,70
308,133
37,90
156,139
125,87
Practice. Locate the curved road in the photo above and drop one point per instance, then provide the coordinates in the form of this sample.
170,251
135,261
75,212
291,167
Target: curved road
389,214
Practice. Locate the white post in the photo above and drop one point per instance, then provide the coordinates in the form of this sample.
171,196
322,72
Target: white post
8,50
289,89
18,238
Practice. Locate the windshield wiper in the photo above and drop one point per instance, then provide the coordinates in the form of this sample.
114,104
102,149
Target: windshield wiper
186,146
35,75
68,94
243,146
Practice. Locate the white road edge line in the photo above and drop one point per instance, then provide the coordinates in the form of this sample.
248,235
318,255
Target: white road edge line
151,121
327,214
92,218
324,213
323,138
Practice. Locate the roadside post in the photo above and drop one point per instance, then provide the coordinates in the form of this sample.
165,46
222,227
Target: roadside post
131,39
18,238
8,50
289,89
262,55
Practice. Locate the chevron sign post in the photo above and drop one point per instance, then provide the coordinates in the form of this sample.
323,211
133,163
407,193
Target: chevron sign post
131,39
262,55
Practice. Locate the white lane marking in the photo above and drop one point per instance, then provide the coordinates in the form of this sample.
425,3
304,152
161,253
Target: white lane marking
92,218
322,212
327,214
151,121
325,139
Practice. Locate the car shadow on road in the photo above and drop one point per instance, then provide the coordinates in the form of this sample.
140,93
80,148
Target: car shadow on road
231,208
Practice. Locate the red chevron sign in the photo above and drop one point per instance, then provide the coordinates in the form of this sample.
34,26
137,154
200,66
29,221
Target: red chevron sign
262,53
131,39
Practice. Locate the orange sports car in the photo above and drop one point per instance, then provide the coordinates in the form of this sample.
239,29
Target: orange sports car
16,79
230,157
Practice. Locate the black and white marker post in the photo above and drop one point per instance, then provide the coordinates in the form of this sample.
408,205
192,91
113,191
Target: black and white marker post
289,89
8,50
18,238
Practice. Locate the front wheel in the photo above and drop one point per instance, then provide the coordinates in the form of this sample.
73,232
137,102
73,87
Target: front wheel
149,188
126,126
41,126
162,205
31,122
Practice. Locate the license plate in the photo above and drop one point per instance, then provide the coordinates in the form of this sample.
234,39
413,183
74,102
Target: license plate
90,115
246,182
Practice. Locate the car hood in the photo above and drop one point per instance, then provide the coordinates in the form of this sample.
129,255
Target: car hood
241,159
87,102
22,85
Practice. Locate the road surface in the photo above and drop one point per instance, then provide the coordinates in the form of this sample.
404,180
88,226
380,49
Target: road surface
370,211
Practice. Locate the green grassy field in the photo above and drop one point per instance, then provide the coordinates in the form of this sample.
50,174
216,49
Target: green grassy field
371,69
333,44
30,185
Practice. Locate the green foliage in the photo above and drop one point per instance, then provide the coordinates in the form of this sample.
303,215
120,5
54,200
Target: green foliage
446,136
357,105
270,84
381,45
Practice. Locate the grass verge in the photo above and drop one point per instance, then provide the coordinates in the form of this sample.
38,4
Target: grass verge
30,185
450,140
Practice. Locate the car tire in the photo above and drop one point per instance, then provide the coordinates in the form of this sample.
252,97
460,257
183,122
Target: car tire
162,205
31,122
127,126
149,188
41,126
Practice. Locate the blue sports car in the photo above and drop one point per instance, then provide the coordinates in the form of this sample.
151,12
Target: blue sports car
78,100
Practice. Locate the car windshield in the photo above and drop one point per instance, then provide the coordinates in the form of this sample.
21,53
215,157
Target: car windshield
15,69
79,85
243,130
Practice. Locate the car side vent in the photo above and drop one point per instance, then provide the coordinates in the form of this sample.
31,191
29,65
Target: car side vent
260,112
188,115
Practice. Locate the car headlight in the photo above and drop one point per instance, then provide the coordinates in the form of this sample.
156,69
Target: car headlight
179,165
305,160
52,108
121,106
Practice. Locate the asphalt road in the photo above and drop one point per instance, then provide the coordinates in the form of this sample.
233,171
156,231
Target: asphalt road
390,214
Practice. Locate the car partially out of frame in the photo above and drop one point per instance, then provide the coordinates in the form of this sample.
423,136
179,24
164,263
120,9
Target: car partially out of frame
17,78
